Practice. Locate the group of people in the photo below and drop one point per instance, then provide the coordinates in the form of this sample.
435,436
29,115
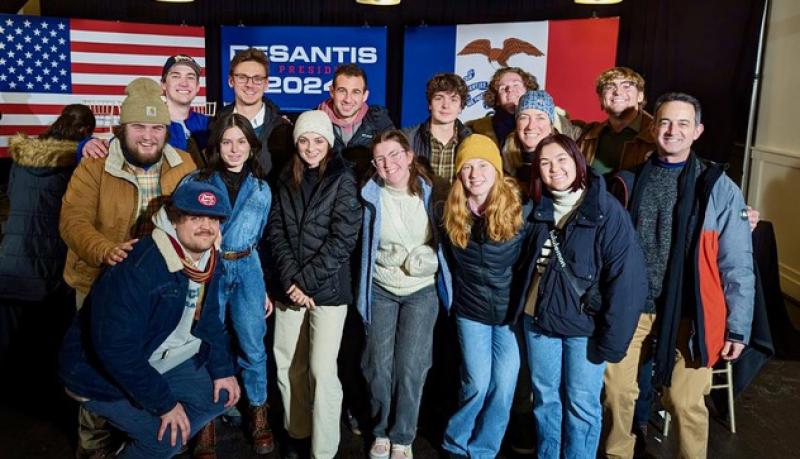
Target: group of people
564,254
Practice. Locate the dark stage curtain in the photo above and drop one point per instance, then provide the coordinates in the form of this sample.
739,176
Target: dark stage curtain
704,47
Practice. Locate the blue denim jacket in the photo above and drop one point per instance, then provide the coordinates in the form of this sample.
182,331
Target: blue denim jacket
244,227
131,309
370,231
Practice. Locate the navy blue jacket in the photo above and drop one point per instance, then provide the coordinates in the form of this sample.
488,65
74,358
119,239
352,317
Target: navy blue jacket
32,253
132,308
599,244
483,273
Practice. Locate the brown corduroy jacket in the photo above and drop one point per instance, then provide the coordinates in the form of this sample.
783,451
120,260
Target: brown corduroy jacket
635,151
100,208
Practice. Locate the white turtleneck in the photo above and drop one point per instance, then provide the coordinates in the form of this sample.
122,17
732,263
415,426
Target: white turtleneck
564,204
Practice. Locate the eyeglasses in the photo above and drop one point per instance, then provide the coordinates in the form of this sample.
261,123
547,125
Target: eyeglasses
241,78
393,157
623,85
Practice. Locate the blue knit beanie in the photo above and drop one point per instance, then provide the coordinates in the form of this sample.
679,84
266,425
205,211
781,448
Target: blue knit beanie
539,100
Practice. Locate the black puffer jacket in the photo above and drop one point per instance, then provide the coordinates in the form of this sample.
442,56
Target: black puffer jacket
357,149
32,254
312,246
483,274
277,144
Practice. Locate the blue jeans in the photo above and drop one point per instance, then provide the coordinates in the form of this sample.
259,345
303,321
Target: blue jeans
191,384
488,378
566,394
242,290
397,358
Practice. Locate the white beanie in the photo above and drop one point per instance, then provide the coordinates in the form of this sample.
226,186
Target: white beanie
315,121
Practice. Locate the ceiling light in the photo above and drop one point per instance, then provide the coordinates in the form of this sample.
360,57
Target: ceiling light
379,2
597,2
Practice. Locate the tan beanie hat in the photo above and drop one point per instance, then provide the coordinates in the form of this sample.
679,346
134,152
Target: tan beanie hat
315,121
143,103
478,146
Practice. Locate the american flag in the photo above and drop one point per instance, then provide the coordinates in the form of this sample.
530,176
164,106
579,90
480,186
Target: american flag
48,62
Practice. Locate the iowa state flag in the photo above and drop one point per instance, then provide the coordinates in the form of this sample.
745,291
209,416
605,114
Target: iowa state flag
49,62
565,56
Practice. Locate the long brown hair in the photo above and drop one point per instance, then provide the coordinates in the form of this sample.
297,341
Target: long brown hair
569,145
298,167
417,170
503,212
76,122
218,129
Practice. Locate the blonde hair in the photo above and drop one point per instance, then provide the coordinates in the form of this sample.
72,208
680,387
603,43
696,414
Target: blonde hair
503,212
619,73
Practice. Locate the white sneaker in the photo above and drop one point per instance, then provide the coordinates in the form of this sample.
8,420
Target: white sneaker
380,448
402,452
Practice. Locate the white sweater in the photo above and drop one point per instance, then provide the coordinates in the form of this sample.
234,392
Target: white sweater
404,227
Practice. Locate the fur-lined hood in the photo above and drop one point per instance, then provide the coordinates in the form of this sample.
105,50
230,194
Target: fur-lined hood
32,152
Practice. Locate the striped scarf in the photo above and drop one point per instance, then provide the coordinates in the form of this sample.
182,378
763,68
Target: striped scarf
194,274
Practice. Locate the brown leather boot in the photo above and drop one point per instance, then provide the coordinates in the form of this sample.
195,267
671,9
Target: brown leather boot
260,432
205,446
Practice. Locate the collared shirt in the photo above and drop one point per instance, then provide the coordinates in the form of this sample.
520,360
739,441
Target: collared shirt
443,156
257,120
610,145
149,184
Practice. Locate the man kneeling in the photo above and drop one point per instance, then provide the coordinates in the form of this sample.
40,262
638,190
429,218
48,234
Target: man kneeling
147,352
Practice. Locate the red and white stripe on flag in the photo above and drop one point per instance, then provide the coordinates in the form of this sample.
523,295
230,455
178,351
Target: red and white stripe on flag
104,56
565,56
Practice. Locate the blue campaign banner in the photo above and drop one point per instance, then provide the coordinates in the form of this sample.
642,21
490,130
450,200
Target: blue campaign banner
427,50
303,59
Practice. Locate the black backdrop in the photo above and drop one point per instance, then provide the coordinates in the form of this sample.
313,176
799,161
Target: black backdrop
703,47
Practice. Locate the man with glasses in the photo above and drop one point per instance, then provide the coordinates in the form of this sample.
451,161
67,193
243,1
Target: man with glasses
354,121
625,139
248,74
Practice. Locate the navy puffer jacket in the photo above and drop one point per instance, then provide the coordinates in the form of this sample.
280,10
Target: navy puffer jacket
32,254
599,245
483,273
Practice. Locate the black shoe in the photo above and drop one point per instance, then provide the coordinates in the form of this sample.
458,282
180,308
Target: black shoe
232,417
297,448
640,448
523,434
352,423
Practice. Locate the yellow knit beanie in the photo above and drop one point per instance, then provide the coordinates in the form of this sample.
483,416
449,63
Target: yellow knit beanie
144,104
478,146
